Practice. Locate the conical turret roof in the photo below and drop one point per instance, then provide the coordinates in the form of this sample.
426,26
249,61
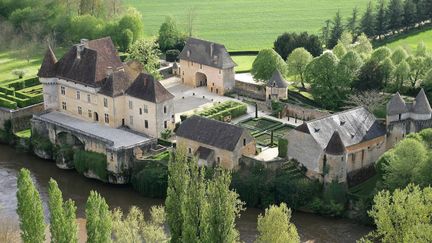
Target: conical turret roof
396,105
48,64
277,80
421,104
335,145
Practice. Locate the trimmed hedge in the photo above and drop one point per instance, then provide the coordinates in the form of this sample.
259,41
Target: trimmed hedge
85,161
282,147
8,103
227,108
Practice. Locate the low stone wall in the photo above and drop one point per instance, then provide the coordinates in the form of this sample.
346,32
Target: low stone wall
272,165
20,118
303,113
251,90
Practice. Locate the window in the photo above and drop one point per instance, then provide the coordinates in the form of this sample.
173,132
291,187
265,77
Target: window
165,124
140,111
131,120
63,90
106,118
244,141
146,124
363,154
79,110
78,95
400,117
105,102
165,110
200,66
90,114
64,105
353,157
130,104
145,109
88,98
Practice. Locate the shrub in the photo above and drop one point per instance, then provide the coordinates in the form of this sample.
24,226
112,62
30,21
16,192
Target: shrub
152,180
172,55
6,103
40,142
85,161
19,73
166,134
282,147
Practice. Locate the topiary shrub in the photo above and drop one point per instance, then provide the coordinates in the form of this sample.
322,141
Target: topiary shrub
172,55
282,147
85,161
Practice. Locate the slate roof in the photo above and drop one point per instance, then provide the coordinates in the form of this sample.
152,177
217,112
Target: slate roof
207,53
335,145
303,128
48,67
353,126
88,62
396,105
210,132
116,84
277,80
145,87
203,152
421,104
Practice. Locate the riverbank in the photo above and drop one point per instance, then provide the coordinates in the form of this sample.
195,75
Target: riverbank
312,228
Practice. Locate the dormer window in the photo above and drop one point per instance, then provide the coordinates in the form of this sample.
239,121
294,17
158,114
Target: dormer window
316,129
342,123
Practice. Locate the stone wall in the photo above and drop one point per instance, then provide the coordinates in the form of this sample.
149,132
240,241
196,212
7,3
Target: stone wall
272,165
303,113
20,118
251,90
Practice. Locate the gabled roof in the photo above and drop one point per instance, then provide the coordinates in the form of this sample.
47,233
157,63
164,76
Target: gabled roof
48,67
145,87
207,53
353,126
211,132
88,62
335,145
396,105
277,80
116,84
421,104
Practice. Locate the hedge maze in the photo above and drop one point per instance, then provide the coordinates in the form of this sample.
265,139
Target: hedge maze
261,128
20,93
225,109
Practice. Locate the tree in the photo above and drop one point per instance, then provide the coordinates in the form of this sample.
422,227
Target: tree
339,50
395,14
85,26
336,31
363,46
399,55
381,19
346,40
190,21
367,23
409,14
147,53
288,42
403,215
275,226
266,62
125,40
154,230
29,209
401,74
325,31
370,99
380,54
169,35
63,226
132,20
371,77
177,179
352,25
95,8
348,67
223,208
297,62
387,68
421,50
99,221
419,66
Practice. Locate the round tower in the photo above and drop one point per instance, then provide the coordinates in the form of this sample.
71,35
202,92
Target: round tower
334,162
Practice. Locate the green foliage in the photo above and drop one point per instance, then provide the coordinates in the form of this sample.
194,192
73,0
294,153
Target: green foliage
339,50
221,110
403,215
286,43
147,53
275,226
151,181
266,63
166,134
125,40
367,21
172,55
99,220
6,134
297,62
282,147
29,209
42,143
132,20
87,161
170,37
336,31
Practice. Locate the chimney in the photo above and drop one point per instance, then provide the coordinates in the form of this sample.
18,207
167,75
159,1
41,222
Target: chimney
211,49
109,71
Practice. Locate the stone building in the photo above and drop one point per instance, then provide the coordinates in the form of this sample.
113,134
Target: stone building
215,142
404,118
204,63
337,145
276,87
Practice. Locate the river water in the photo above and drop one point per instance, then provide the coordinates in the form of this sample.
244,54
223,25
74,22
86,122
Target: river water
312,228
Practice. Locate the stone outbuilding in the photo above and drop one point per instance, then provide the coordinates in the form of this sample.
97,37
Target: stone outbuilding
276,87
208,64
215,142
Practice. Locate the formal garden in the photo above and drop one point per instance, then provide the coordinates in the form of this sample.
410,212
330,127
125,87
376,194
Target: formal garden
225,110
20,93
262,129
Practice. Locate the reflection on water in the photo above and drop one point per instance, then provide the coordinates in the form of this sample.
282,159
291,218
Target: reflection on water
312,228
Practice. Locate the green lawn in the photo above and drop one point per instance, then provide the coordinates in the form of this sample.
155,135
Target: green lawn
244,63
10,61
244,24
412,40
24,134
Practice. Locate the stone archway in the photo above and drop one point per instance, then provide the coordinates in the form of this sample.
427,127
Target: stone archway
67,144
200,79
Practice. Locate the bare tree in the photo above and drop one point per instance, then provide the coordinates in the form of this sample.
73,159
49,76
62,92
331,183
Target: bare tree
191,15
371,100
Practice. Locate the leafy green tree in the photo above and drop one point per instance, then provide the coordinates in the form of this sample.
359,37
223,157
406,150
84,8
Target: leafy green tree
381,53
339,50
154,230
371,77
99,220
346,40
381,18
401,74
387,68
275,226
419,66
147,53
336,31
363,46
399,55
367,23
403,215
125,40
297,62
349,66
427,84
288,42
132,20
409,14
421,50
177,185
169,35
70,228
223,208
95,8
352,25
85,26
29,209
266,63
395,13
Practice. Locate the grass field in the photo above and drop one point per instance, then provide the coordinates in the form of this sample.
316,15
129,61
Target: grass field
412,40
9,62
244,24
244,63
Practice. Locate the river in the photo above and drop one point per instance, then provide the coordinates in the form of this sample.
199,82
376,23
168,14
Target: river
312,228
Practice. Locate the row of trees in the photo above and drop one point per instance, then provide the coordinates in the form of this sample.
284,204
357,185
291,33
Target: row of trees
379,20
